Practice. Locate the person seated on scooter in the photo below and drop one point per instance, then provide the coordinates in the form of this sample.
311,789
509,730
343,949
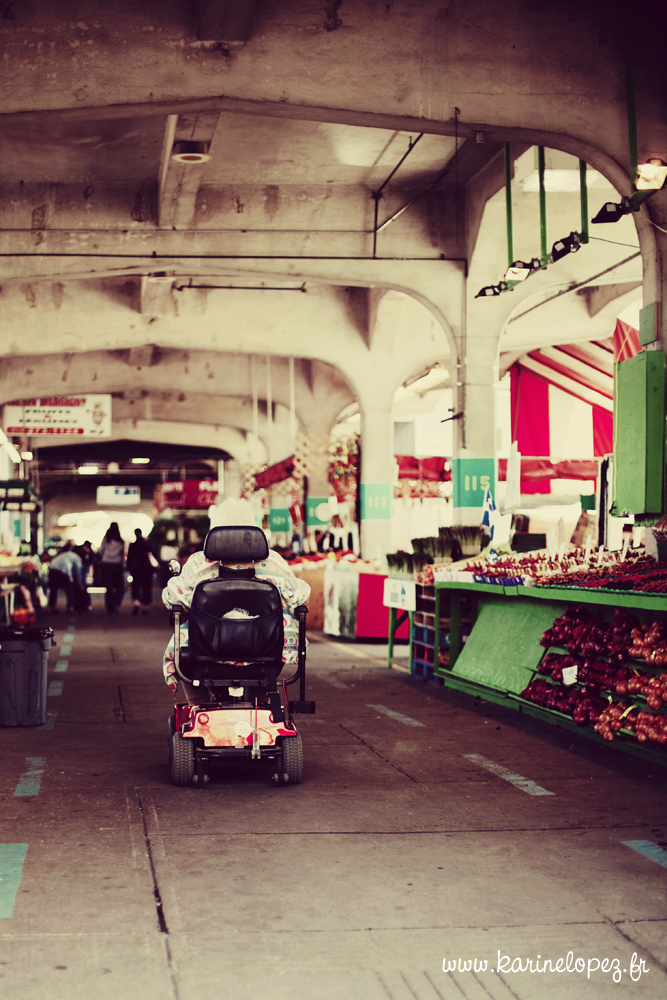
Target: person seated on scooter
274,569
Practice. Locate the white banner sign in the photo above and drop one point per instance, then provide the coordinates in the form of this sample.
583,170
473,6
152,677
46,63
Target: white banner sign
118,496
400,594
60,416
513,488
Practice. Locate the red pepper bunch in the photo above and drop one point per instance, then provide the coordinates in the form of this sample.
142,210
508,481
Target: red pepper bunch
649,643
643,575
583,706
616,716
651,728
591,637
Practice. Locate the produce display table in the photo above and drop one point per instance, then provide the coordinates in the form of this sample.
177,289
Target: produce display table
502,653
353,605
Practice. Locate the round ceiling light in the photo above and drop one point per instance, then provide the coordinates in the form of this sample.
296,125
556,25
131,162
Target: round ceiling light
190,152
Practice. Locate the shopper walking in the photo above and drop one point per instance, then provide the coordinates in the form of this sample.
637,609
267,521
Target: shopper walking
65,571
111,556
141,562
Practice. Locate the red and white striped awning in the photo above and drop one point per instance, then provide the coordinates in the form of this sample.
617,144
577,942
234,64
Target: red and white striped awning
562,404
582,370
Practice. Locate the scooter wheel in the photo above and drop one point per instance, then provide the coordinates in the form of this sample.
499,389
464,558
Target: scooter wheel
183,760
292,759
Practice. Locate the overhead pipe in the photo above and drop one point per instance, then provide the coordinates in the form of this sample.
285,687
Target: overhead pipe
583,195
544,255
508,203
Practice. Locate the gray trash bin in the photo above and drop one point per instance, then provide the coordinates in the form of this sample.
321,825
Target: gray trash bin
24,657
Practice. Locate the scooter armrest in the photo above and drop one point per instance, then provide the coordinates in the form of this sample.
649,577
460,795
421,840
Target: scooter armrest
183,612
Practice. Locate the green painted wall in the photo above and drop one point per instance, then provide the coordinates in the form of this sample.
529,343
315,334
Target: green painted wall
639,434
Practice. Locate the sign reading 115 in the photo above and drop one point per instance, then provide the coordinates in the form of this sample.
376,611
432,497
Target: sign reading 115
484,483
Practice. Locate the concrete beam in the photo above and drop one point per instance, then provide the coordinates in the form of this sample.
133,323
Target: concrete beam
155,297
179,181
216,387
225,20
363,307
599,296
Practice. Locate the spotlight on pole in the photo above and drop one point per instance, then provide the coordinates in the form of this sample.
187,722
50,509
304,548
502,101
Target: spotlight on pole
520,269
561,248
491,290
612,212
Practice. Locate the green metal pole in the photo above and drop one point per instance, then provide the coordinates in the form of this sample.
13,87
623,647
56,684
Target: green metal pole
390,637
436,630
543,203
508,203
583,192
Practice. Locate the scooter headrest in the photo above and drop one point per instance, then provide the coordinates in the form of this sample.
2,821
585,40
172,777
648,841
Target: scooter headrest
236,544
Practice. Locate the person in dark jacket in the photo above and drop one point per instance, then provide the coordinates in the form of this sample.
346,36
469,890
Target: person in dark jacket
111,556
141,562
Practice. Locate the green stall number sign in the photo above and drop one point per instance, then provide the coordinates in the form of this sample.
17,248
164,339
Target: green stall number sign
471,478
376,501
279,519
315,506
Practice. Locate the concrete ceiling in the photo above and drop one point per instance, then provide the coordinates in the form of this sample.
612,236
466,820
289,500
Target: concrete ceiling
305,111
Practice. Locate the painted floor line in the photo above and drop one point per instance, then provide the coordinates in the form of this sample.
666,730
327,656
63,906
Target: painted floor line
397,716
65,650
347,649
55,689
649,850
330,680
50,721
68,637
518,780
61,666
31,778
12,857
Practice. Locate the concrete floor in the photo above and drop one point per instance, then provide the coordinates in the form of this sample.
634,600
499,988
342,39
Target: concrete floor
397,852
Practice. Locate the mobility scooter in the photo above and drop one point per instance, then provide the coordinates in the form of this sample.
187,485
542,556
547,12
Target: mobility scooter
235,656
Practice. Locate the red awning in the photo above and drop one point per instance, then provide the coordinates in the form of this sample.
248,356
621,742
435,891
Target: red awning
277,473
537,469
626,341
428,469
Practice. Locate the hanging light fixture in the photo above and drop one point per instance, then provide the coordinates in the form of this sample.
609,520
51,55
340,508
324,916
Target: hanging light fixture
519,270
651,176
490,290
190,152
612,211
561,248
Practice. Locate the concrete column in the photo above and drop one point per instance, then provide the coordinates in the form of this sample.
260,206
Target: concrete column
377,478
474,462
233,478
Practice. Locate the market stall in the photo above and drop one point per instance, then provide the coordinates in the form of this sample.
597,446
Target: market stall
354,602
575,642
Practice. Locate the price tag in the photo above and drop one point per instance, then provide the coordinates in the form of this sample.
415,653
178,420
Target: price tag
551,542
589,545
626,545
570,675
600,555
561,550
560,528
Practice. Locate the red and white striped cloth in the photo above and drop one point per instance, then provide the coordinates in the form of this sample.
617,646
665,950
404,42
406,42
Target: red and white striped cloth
562,400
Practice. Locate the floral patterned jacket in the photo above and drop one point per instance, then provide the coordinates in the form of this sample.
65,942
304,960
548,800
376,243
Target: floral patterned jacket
198,568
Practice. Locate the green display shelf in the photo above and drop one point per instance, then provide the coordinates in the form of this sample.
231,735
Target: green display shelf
503,650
